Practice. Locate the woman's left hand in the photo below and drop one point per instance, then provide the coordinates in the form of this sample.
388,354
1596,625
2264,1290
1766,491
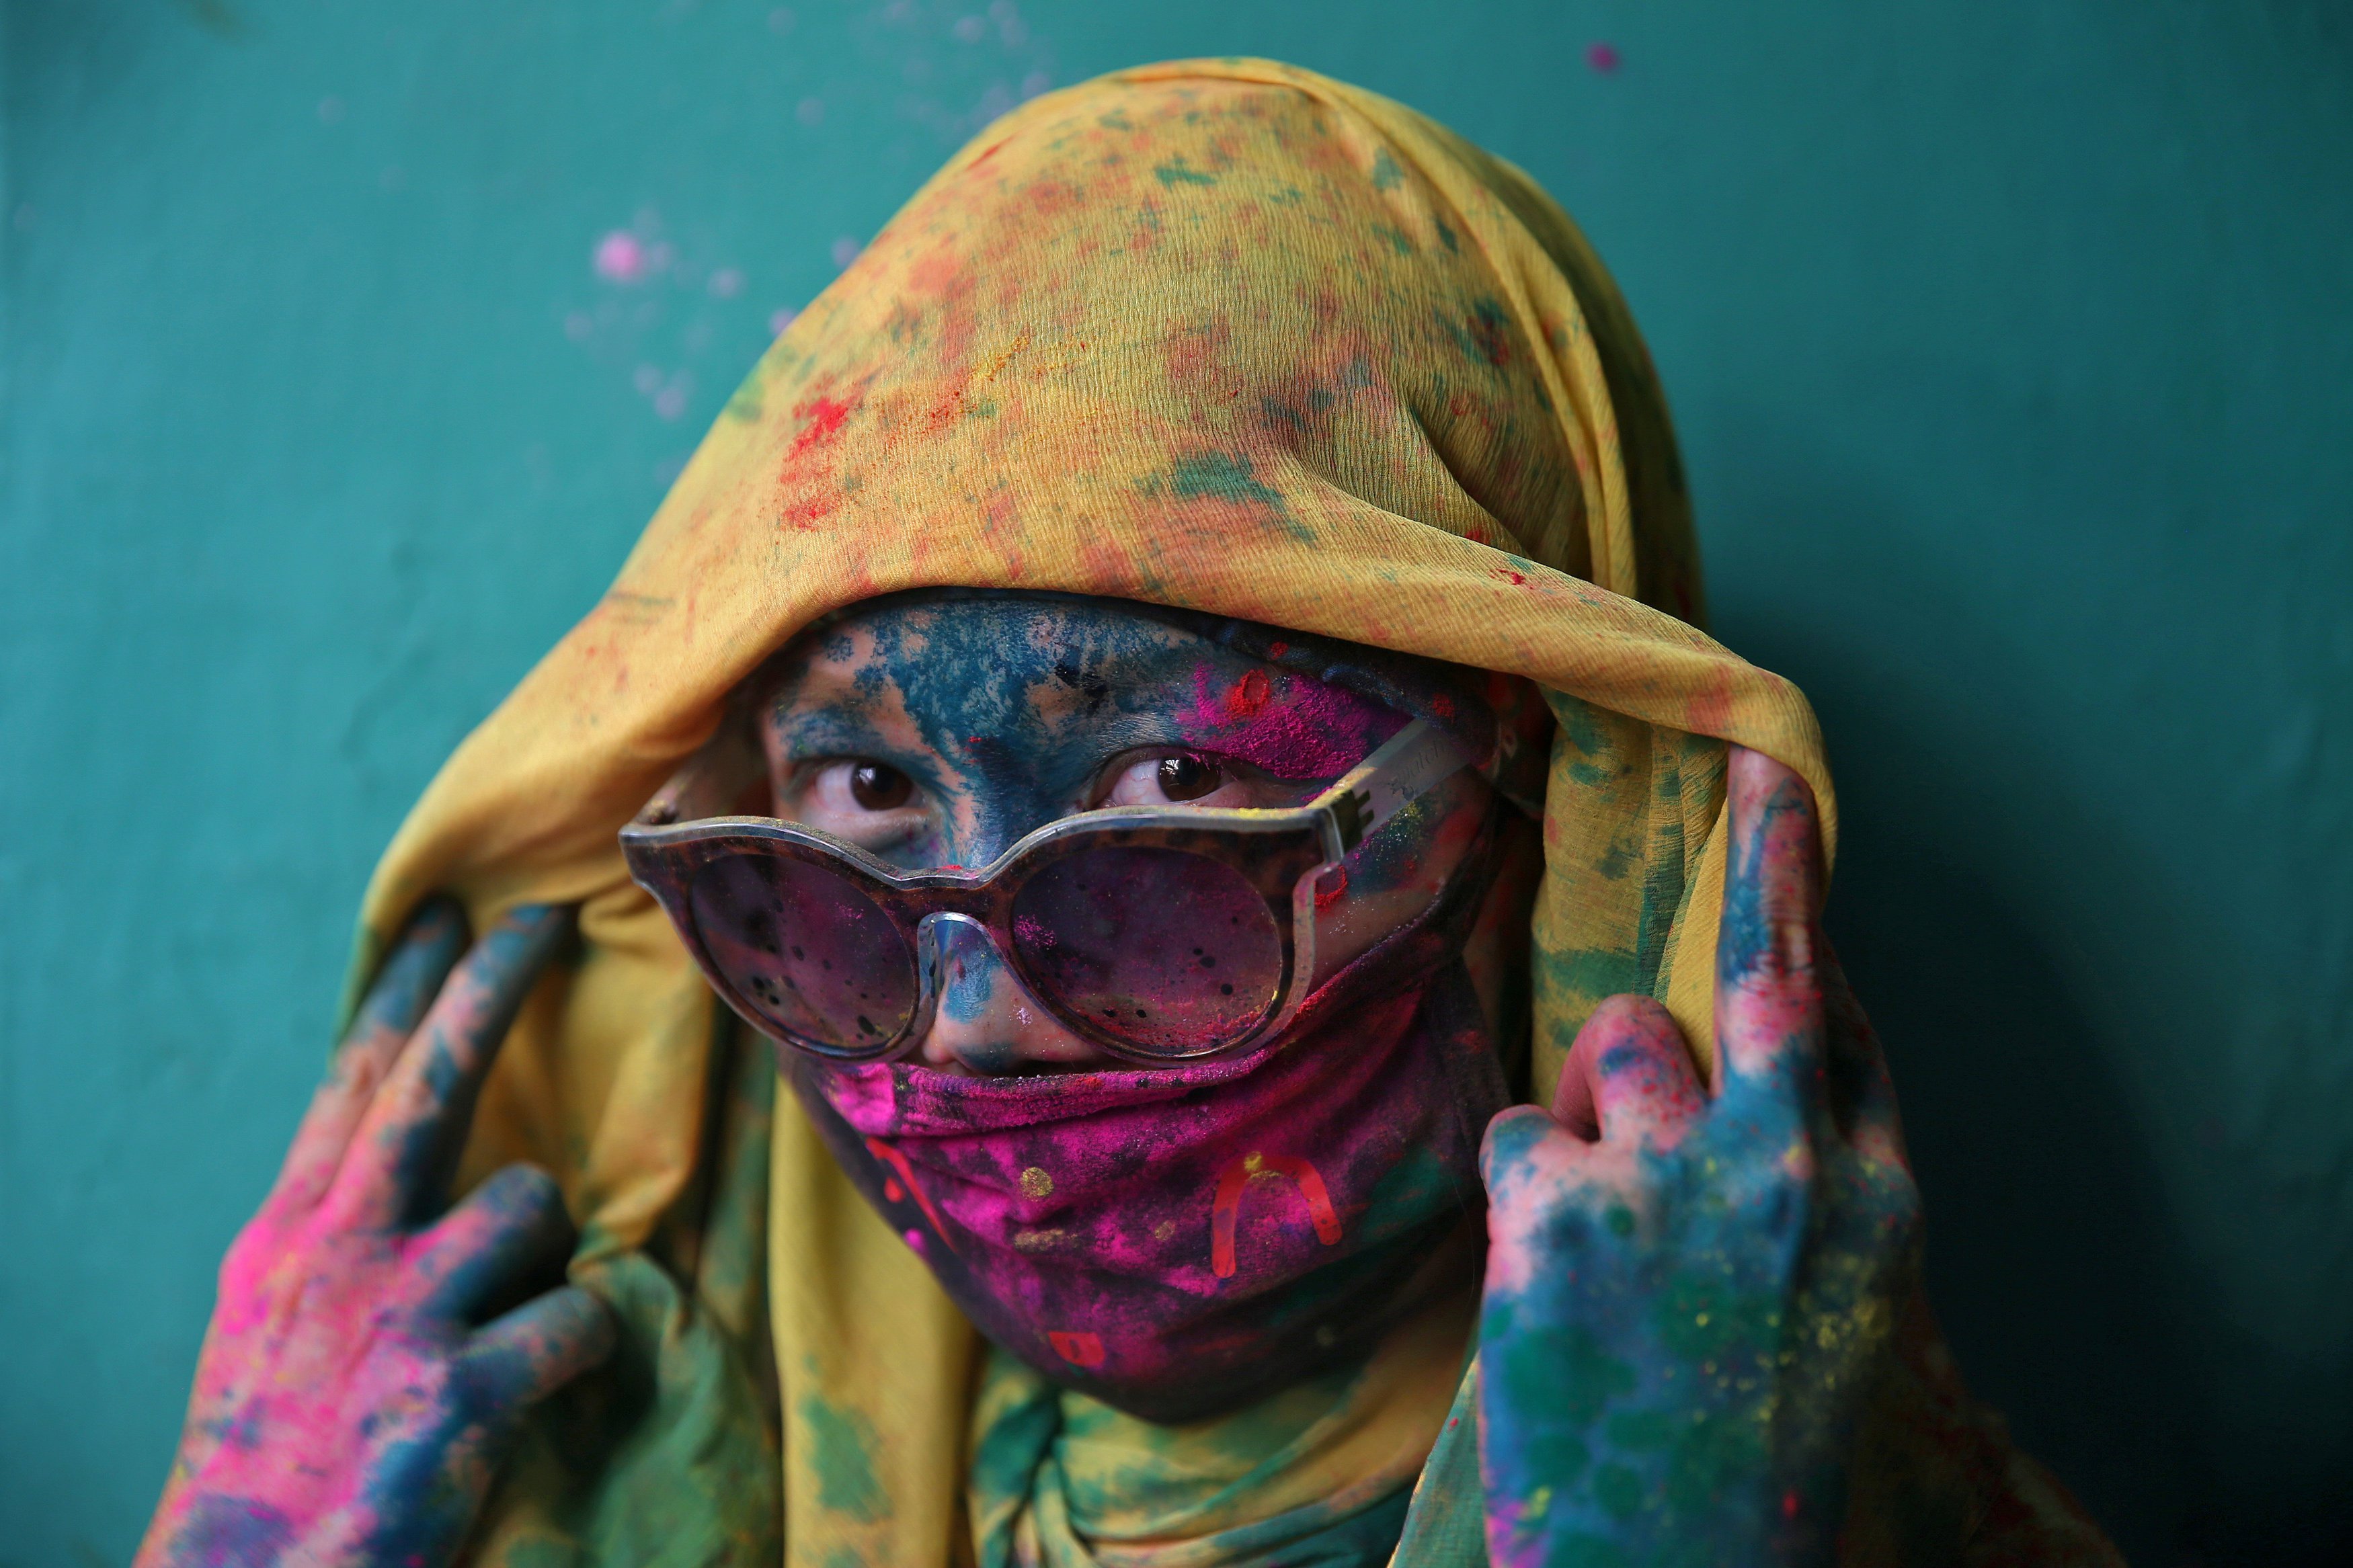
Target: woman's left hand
1688,1295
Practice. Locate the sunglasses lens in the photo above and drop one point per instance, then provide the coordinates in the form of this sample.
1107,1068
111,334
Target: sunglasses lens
1175,954
807,951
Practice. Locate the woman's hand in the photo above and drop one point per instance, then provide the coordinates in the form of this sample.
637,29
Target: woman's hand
368,1361
1688,1295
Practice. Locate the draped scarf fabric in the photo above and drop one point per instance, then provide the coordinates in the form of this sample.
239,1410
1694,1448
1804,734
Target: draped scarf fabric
1227,336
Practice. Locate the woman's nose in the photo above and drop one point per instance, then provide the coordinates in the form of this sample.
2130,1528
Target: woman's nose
986,1023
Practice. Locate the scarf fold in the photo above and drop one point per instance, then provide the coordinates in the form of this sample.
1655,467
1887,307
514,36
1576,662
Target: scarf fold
1319,1474
1225,336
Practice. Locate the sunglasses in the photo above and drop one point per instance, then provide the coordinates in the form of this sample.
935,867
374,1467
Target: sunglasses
1158,933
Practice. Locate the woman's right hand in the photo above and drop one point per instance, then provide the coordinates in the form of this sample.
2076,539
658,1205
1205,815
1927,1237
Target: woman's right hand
360,1383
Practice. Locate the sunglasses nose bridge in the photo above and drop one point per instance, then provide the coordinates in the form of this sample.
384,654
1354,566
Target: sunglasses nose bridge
931,939
932,942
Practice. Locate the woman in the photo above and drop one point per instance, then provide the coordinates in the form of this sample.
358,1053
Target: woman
1203,437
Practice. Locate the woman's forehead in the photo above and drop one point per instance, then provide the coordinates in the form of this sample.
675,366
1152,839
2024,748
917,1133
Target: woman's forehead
1015,632
979,653
952,673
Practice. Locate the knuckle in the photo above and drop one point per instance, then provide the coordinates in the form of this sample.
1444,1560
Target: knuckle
526,1188
1512,1137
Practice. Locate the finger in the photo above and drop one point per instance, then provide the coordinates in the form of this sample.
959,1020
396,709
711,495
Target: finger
404,985
1629,1078
1768,1004
508,1236
1514,1135
408,1141
539,1347
1531,1165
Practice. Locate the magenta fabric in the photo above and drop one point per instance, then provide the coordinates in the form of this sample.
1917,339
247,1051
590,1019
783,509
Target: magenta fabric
1167,1238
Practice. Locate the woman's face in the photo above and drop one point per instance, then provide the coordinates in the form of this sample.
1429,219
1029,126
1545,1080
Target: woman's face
938,733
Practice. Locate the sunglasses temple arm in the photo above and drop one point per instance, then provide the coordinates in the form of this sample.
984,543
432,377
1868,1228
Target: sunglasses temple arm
1406,766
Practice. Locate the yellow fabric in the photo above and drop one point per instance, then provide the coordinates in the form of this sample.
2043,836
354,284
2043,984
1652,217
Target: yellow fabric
1227,335
1114,1491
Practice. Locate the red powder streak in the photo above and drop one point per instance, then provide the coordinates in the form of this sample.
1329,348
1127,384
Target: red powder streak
1079,1349
898,1161
810,512
1331,889
1249,695
1227,1208
825,416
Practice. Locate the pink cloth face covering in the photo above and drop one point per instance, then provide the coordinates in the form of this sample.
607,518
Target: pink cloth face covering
1173,1241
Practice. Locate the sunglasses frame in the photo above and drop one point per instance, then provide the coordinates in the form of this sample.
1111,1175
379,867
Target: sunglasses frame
1280,853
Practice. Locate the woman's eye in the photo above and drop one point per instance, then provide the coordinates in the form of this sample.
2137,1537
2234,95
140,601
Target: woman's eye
1188,777
1167,780
877,786
847,795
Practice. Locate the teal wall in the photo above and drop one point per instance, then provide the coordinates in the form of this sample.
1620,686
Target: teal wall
2010,341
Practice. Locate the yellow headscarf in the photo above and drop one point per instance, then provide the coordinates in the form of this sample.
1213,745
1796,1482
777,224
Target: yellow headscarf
1225,335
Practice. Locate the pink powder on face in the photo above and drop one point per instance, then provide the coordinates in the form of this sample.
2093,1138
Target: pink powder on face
1291,725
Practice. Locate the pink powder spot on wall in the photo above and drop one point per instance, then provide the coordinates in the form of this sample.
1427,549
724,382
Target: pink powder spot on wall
578,325
780,318
621,256
726,283
781,20
846,250
1035,83
809,111
968,30
1602,58
648,380
670,402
